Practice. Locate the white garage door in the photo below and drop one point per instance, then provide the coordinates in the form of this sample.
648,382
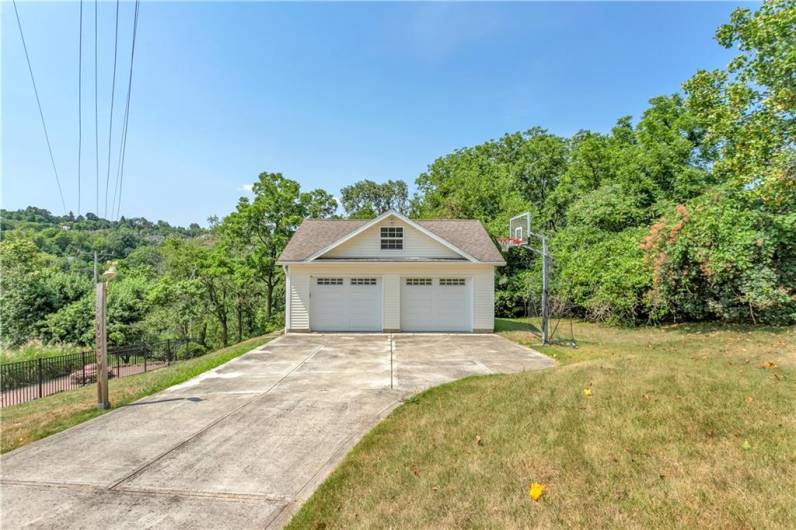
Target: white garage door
342,303
436,304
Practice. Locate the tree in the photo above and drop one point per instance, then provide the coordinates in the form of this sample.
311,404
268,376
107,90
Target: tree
748,110
263,226
24,295
366,199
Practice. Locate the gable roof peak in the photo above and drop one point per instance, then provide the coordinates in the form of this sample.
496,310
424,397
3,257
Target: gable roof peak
466,237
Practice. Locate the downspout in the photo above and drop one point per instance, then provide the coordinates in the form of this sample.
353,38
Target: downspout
288,286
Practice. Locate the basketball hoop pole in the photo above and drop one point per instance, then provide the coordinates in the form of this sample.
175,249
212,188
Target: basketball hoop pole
545,312
545,283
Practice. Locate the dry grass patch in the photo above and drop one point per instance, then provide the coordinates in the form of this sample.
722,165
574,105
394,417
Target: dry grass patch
22,424
683,428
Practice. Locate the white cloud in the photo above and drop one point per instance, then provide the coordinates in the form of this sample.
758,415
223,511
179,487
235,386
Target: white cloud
246,187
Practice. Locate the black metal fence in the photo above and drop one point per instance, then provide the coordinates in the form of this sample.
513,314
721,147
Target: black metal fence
28,380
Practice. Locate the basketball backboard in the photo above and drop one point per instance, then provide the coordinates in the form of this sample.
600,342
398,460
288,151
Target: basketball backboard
520,228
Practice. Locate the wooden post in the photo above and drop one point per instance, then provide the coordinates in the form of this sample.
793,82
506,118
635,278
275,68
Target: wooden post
102,350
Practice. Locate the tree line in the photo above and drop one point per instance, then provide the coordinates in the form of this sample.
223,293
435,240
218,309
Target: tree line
688,213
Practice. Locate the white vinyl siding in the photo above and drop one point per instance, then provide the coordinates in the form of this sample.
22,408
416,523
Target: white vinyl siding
416,244
392,301
299,302
484,299
479,281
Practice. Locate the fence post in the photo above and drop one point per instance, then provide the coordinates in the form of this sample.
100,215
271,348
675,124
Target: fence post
168,352
83,360
38,365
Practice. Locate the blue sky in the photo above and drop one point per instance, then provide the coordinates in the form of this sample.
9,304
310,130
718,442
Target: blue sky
327,94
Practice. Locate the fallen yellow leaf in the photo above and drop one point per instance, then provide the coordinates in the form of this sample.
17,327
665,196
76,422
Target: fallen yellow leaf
535,491
587,391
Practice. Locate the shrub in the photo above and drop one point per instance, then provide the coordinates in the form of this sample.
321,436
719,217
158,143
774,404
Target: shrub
602,272
720,257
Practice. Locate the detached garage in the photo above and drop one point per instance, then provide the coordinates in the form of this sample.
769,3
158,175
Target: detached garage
390,274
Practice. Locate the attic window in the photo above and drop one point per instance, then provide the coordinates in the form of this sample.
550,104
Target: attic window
392,238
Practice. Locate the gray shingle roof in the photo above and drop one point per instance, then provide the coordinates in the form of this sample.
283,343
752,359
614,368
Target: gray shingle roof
469,235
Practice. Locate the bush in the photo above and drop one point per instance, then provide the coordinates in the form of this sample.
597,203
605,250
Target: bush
720,257
602,272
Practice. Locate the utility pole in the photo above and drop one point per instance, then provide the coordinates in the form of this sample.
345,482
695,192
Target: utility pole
95,267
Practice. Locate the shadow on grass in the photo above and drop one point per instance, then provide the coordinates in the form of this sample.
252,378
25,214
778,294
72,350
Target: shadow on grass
712,327
506,324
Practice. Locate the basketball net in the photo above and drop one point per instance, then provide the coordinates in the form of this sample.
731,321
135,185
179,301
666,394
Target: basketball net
508,242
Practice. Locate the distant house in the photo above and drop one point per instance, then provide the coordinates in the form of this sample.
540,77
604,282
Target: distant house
390,274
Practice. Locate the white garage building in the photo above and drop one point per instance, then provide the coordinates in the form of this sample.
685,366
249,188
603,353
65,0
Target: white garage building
390,274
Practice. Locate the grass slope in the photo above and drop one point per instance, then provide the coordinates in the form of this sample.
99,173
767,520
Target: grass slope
684,428
22,424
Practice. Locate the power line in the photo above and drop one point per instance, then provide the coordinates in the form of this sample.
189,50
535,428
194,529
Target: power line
123,146
79,105
96,112
110,125
38,103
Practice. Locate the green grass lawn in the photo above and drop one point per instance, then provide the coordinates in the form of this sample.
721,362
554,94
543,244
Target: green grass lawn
22,424
686,426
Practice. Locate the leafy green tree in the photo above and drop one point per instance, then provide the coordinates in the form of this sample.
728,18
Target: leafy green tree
24,294
260,228
603,273
748,110
366,199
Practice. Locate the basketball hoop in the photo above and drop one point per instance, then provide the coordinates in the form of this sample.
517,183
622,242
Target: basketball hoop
507,242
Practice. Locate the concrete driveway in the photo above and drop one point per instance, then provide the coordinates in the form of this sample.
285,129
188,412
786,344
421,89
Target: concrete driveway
241,446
